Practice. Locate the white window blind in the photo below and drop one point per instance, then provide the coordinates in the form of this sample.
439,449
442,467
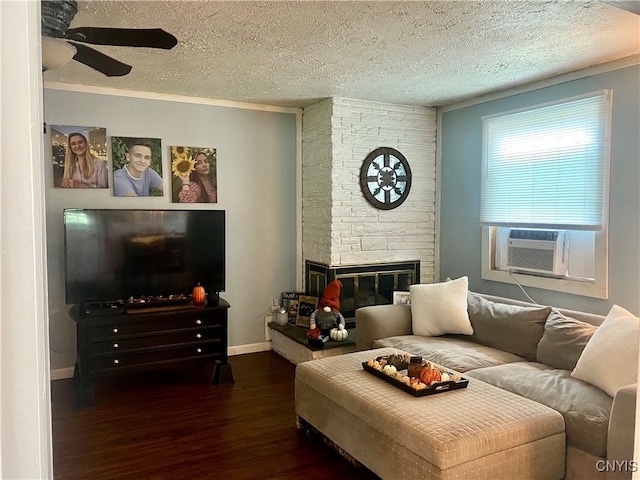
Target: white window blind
547,167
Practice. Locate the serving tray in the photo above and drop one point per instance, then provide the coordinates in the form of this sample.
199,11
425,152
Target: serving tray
435,388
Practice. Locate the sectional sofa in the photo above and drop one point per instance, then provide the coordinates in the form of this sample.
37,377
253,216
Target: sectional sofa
582,365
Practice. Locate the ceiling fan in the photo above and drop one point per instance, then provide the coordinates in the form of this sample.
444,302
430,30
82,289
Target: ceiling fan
62,43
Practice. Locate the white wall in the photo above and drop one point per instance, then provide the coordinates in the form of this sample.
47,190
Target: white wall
25,407
339,226
256,154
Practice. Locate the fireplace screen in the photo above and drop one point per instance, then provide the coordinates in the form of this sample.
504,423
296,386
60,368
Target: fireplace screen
362,285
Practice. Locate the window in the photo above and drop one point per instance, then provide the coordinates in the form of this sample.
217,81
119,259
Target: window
544,170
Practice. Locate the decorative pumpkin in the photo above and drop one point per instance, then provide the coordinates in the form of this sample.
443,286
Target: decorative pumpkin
198,294
397,361
338,334
428,375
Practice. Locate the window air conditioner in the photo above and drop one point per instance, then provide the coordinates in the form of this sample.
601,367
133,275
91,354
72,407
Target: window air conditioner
538,251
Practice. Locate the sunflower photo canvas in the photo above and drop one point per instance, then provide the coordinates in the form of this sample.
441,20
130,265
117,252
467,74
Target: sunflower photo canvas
194,177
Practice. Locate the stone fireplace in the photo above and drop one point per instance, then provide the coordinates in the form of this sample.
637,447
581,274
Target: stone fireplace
372,252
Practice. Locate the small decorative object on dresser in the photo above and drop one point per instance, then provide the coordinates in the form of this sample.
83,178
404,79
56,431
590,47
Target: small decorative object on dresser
199,295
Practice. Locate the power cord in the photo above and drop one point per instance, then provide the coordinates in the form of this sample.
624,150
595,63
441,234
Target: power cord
522,288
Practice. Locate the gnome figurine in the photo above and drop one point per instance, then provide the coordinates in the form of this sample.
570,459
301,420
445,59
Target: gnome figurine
328,315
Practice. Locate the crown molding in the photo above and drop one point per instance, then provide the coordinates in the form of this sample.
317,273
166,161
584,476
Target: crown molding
567,77
73,87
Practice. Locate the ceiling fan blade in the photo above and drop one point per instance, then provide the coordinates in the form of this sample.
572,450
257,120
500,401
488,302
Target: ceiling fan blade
100,62
123,37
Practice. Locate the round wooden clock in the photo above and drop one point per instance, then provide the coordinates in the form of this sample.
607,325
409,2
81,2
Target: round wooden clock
385,178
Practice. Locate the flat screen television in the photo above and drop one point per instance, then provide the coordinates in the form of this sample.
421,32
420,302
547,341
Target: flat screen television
115,255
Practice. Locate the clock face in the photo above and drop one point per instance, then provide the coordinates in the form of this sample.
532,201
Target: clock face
385,178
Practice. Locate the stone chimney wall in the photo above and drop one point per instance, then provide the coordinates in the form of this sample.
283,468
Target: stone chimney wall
339,226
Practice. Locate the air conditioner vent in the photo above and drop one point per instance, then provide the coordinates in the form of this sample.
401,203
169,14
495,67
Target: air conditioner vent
537,251
532,258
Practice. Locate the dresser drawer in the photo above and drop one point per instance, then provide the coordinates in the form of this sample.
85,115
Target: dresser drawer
118,342
170,337
134,358
124,326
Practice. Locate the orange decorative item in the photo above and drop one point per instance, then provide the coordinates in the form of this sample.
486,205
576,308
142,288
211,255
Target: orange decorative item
430,375
199,295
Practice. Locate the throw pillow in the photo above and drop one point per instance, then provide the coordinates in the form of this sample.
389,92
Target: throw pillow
510,328
563,341
440,308
610,359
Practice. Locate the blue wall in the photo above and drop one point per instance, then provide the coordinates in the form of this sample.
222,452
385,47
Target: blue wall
461,153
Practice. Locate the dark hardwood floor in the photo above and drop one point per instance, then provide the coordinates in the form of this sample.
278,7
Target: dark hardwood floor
175,424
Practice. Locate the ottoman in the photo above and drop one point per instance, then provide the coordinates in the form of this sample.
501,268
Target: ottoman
478,432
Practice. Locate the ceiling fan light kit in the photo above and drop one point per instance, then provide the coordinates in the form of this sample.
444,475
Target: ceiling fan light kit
56,53
56,18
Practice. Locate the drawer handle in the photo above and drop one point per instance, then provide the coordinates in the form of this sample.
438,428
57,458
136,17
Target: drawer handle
199,350
115,330
115,345
198,335
198,322
116,361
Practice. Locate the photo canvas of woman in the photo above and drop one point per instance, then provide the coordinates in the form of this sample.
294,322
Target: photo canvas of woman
195,178
79,156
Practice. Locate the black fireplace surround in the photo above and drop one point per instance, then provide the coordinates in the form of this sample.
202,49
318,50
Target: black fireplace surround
362,285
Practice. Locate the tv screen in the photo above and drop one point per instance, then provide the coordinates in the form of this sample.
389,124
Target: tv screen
113,255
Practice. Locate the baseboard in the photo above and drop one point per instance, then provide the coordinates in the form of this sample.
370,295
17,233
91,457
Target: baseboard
250,348
62,373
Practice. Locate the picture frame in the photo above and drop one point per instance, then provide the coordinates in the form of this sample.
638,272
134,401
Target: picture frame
131,177
194,176
290,304
306,306
401,297
79,157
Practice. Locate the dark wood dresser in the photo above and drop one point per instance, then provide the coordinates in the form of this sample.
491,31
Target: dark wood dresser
114,340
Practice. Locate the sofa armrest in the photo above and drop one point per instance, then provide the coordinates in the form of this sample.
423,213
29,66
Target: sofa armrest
620,438
381,321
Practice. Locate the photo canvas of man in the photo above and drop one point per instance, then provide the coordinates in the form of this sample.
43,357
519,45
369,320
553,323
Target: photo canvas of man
79,157
137,164
195,178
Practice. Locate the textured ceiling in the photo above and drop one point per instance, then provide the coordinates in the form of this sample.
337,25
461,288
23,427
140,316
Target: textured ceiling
403,52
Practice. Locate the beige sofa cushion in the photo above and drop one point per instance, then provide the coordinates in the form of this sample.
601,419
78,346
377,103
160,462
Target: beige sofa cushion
586,409
563,341
511,328
452,351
